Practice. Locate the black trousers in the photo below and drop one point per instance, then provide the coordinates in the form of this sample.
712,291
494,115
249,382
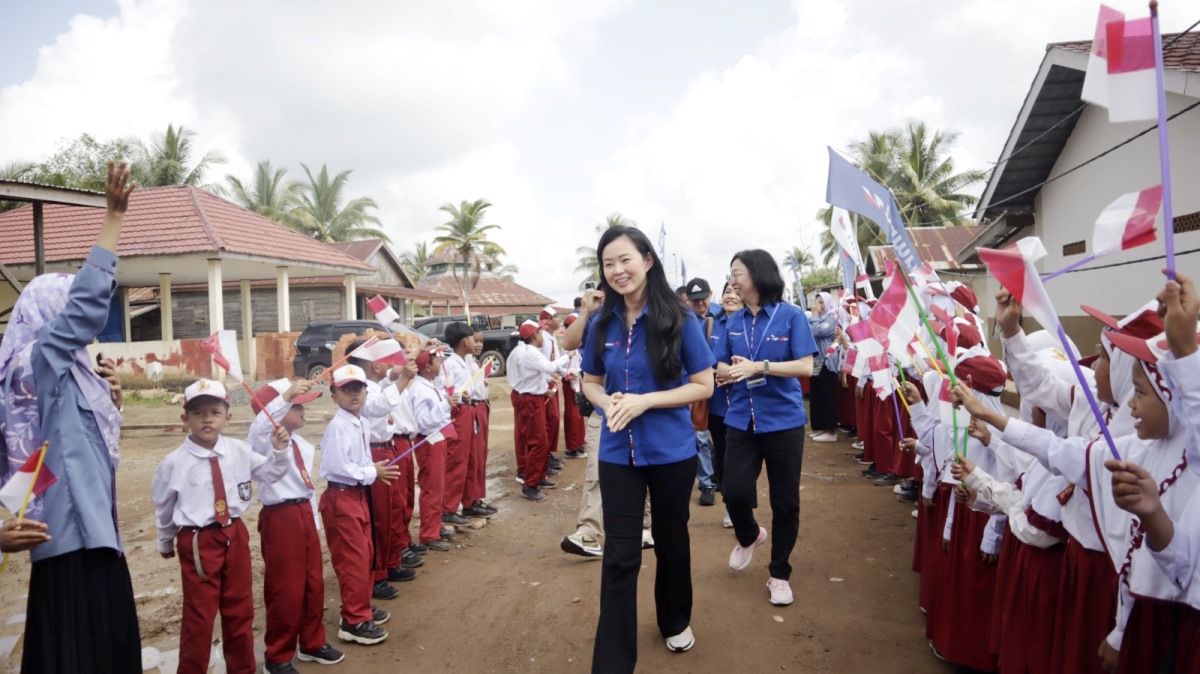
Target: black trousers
716,431
623,494
822,400
783,453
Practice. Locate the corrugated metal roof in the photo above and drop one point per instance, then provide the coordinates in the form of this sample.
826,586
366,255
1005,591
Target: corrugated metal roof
939,246
1183,55
492,291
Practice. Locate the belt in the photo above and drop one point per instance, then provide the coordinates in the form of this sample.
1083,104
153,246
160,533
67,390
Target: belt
532,395
195,531
405,436
211,525
343,487
478,402
380,445
287,501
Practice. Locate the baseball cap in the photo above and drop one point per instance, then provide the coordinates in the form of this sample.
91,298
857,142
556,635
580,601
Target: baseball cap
348,373
697,289
528,329
272,390
205,387
547,313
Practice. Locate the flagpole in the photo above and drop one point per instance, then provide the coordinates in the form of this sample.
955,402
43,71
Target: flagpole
37,471
1087,392
1071,267
1164,155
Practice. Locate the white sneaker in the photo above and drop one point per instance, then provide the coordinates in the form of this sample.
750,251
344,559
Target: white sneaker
681,642
740,557
727,523
914,514
898,489
858,444
781,592
584,546
825,437
647,540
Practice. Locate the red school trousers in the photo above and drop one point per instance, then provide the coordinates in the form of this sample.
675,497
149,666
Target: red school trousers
407,482
518,433
458,455
476,487
387,501
224,556
532,414
293,589
431,458
347,522
553,421
573,425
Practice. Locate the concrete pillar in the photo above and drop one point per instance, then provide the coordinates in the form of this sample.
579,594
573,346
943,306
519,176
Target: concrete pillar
216,307
165,312
249,353
126,328
283,300
351,297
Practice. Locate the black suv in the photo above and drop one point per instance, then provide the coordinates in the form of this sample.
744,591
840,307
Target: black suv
314,347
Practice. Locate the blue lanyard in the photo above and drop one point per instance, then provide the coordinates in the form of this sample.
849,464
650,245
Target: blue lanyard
750,348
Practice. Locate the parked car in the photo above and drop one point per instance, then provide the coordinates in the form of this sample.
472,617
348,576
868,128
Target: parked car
497,342
314,347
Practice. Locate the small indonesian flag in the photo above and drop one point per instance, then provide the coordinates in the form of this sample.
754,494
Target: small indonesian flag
386,351
895,318
1013,268
450,391
951,334
489,366
222,344
446,433
1127,222
1120,73
383,311
13,493
946,406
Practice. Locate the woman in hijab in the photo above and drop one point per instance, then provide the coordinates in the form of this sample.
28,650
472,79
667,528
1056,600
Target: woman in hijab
81,615
822,397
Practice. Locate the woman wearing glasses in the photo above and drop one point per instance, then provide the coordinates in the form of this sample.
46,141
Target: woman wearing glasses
767,346
645,361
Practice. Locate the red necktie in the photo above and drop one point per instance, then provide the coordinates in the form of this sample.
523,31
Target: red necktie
300,465
219,504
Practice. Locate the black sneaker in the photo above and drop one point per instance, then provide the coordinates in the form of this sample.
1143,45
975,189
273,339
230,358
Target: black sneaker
418,548
532,493
547,484
363,633
439,546
384,591
477,511
552,471
281,668
907,496
707,496
576,453
861,458
447,533
401,575
887,480
520,478
554,462
870,473
410,559
325,655
484,505
380,616
455,519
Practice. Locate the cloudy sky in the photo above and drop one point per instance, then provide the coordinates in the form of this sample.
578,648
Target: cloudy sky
710,116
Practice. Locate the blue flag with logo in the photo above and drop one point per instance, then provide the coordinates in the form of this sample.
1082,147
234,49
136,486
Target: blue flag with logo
852,190
662,240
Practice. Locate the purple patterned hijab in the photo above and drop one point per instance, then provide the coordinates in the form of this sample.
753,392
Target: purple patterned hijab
40,303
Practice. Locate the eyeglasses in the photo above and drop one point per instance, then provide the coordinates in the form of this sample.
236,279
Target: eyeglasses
733,276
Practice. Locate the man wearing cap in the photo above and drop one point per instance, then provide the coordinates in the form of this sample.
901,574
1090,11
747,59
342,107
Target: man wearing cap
699,294
293,586
529,374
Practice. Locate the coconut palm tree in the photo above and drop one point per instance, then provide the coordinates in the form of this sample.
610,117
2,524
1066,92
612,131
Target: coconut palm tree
465,235
588,264
267,193
413,261
317,210
505,270
166,159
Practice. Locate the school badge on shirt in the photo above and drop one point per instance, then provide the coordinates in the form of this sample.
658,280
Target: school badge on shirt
244,491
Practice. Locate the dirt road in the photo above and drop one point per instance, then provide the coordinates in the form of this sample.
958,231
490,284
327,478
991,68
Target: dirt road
506,599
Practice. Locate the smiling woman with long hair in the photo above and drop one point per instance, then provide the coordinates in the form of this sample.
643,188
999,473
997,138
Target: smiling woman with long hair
645,361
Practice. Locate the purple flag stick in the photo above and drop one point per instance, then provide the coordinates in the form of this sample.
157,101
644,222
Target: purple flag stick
896,406
1164,156
1071,267
1087,392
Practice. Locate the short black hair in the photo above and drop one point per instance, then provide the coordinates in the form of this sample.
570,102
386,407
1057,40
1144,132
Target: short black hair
764,274
456,332
578,302
681,290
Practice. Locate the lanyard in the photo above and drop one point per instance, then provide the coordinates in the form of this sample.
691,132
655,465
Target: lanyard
749,335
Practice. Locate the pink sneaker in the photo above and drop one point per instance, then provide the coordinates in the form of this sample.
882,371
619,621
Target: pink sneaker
740,557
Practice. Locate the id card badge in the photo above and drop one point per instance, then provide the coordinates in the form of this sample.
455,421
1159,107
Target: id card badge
756,382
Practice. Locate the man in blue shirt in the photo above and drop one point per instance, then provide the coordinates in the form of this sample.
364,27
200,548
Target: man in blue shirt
699,294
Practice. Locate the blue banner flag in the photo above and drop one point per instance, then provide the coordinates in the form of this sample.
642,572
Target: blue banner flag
848,276
683,271
662,240
852,190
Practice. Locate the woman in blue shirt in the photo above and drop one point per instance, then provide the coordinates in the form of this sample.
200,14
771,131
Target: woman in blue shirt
718,405
767,347
645,360
824,389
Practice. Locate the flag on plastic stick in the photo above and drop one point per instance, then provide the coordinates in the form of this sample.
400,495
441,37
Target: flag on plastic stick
447,432
1127,222
489,366
949,328
1013,268
841,227
222,344
383,311
33,478
896,318
386,351
1126,84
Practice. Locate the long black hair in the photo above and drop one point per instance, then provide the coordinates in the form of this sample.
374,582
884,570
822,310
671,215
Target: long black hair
664,312
764,273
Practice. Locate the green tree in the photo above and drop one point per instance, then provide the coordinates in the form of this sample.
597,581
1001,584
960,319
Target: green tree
588,264
14,170
465,234
81,164
167,159
505,270
413,261
820,276
267,193
317,210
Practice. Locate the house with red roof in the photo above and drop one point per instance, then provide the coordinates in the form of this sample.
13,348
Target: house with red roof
492,294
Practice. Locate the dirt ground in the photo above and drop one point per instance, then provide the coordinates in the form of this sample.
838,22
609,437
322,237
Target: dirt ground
507,599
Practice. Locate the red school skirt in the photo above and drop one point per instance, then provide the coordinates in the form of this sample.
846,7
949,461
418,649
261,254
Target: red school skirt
928,554
1152,638
965,596
1084,616
1026,618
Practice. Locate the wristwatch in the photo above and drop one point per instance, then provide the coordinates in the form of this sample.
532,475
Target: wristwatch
766,367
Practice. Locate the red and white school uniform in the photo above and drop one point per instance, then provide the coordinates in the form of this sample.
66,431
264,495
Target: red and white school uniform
387,500
293,586
199,497
456,372
347,466
551,351
403,438
476,485
573,423
431,411
529,374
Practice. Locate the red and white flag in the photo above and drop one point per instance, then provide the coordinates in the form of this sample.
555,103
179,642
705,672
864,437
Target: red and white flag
896,318
489,366
13,493
446,433
387,351
946,407
222,344
1127,222
1013,268
1120,73
384,313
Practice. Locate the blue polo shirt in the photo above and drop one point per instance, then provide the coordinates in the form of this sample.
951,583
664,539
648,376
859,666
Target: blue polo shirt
719,403
779,332
658,436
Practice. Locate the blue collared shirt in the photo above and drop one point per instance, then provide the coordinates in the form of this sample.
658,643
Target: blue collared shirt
778,333
718,405
658,436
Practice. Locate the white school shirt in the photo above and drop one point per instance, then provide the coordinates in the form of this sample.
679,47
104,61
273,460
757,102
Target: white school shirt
406,422
528,370
479,388
345,454
552,352
431,409
996,497
455,372
376,412
290,486
182,488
